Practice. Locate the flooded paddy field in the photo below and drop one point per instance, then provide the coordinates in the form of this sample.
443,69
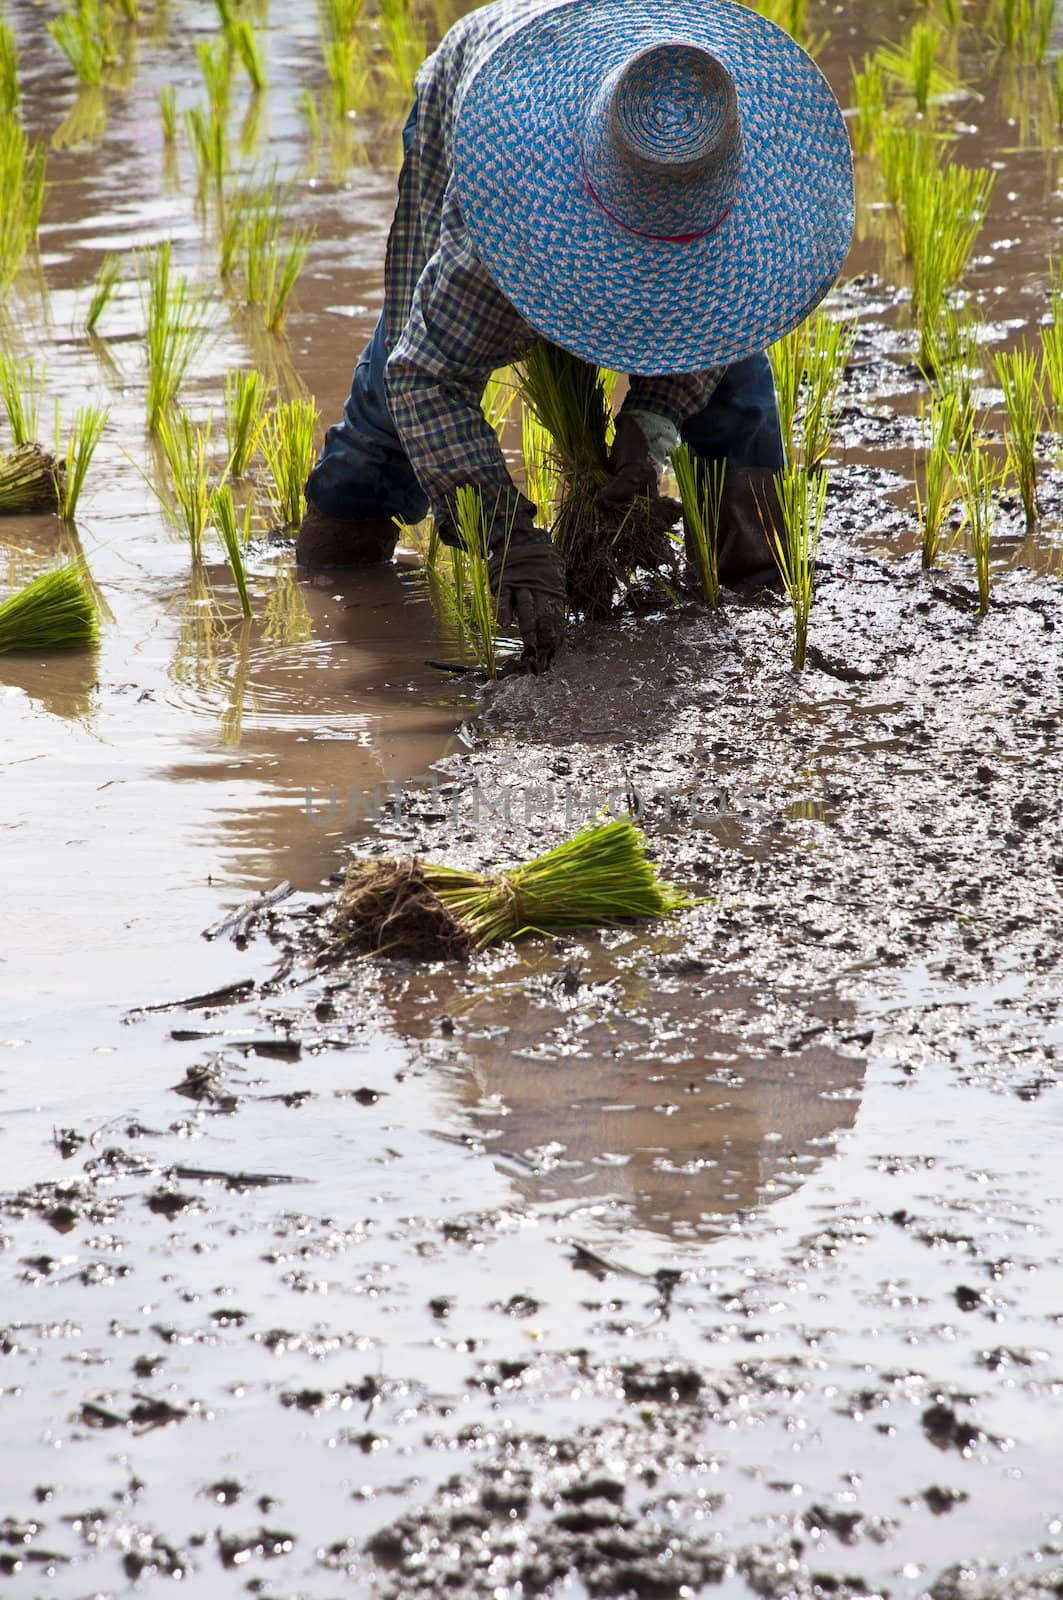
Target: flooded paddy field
718,1257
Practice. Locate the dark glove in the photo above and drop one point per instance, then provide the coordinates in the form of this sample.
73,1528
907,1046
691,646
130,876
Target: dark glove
634,471
749,510
528,576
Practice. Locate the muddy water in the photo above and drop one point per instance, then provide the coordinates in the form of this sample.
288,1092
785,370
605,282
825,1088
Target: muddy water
803,1149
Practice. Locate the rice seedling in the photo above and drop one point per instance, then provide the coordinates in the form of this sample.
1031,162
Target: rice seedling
869,105
597,879
1024,26
282,273
223,515
942,209
980,478
802,497
83,34
339,18
186,447
21,388
216,65
244,41
541,480
474,606
1020,378
827,350
939,426
405,41
288,448
498,397
1052,361
176,330
701,491
789,359
104,285
28,480
245,408
22,170
54,612
914,65
953,348
348,77
89,423
210,149
308,106
168,113
9,90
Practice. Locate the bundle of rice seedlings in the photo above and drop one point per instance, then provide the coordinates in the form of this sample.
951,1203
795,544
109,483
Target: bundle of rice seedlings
596,879
54,612
29,479
602,545
541,481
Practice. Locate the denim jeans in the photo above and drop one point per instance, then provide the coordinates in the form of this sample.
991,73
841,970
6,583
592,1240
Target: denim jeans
363,470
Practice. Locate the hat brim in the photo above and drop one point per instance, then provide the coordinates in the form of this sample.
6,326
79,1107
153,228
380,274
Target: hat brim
583,280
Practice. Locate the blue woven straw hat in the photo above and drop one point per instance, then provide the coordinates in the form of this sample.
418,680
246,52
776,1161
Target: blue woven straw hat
657,185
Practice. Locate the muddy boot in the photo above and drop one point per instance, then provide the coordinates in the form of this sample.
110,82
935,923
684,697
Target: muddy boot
326,541
749,510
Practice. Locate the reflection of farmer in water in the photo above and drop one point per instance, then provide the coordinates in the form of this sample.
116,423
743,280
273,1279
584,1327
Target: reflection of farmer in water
657,186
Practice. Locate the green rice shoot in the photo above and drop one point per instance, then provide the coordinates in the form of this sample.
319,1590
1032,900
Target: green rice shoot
802,498
82,33
89,423
21,389
475,607
186,448
541,477
22,174
103,288
223,515
943,443
405,42
288,448
9,88
980,478
168,113
246,394
1052,361
701,491
827,350
1018,373
54,612
176,330
914,66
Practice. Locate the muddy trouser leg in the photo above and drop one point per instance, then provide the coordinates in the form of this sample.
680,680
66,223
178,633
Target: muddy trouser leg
363,471
740,426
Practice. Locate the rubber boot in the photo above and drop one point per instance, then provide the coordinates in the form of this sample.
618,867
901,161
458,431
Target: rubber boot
327,542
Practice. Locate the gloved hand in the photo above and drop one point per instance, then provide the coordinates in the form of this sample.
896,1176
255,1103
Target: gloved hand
527,575
634,471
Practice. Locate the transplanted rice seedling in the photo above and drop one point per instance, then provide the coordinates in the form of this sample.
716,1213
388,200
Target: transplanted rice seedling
28,480
915,65
1052,360
83,33
788,357
106,281
186,447
945,442
802,496
474,606
404,39
497,401
954,350
1024,26
216,65
245,411
270,270
89,423
176,329
980,478
282,274
22,167
1020,378
596,879
943,209
21,388
223,513
54,612
168,113
869,105
827,350
288,447
209,140
701,491
347,75
9,91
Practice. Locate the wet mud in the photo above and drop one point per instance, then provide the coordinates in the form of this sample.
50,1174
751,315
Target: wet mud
717,1257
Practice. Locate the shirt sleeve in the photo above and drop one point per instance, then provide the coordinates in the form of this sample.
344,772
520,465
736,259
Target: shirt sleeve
677,397
460,329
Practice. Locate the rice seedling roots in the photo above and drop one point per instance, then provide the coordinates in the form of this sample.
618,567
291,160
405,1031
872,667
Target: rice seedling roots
388,907
29,480
603,545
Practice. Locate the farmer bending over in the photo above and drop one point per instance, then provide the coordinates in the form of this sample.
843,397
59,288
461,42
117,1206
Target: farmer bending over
662,187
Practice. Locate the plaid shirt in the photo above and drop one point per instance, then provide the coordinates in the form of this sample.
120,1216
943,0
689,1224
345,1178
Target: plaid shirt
448,327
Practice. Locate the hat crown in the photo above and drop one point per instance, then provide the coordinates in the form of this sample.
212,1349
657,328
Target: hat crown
662,149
